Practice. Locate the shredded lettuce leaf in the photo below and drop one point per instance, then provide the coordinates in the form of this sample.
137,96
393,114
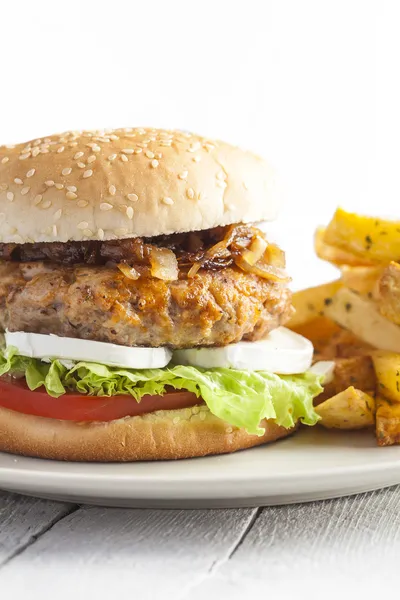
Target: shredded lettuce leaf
241,398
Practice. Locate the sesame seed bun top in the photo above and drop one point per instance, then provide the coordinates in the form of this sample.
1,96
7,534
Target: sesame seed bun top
113,184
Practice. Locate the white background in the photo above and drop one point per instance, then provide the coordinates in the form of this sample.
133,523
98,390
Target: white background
310,85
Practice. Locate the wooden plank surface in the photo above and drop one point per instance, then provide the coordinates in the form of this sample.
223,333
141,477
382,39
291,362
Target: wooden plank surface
289,551
150,552
23,520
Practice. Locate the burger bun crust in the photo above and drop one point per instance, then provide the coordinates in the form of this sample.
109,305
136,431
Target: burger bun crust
161,435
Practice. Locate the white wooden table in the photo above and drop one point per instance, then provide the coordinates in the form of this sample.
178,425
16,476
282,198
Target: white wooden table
316,550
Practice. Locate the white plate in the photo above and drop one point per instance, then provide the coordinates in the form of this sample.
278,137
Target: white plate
312,465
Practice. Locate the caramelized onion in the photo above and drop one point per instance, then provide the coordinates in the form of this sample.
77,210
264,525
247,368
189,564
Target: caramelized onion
128,271
255,251
164,264
263,270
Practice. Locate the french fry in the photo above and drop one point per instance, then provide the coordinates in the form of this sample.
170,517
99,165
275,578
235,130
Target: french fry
355,371
335,255
364,280
311,302
389,293
387,422
387,369
372,239
350,409
362,317
319,331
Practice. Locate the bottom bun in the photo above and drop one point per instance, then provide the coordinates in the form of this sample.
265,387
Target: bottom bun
161,435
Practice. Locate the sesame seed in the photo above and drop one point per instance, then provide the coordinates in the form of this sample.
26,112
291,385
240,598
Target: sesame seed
54,230
18,181
183,175
81,165
35,152
133,197
138,150
83,225
37,199
73,144
196,158
49,183
87,173
87,232
25,190
167,200
91,158
71,196
190,193
44,150
71,188
106,206
31,172
5,160
3,187
59,186
46,204
112,190
124,158
66,171
24,156
78,155
129,212
112,157
165,142
120,231
57,214
100,234
154,163
128,150
193,147
10,196
60,149
149,154
82,203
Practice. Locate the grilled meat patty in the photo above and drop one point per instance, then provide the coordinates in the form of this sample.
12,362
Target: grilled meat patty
99,303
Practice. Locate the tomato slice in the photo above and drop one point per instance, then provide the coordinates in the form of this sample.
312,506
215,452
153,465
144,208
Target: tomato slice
15,395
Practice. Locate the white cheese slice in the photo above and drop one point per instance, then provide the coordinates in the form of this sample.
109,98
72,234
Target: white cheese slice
282,352
45,347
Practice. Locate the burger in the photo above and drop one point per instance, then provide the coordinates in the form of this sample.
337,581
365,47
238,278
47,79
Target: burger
142,308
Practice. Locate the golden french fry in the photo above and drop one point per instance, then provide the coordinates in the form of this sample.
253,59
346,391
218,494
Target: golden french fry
362,317
387,369
310,303
361,279
370,238
389,293
350,409
387,421
335,255
351,371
